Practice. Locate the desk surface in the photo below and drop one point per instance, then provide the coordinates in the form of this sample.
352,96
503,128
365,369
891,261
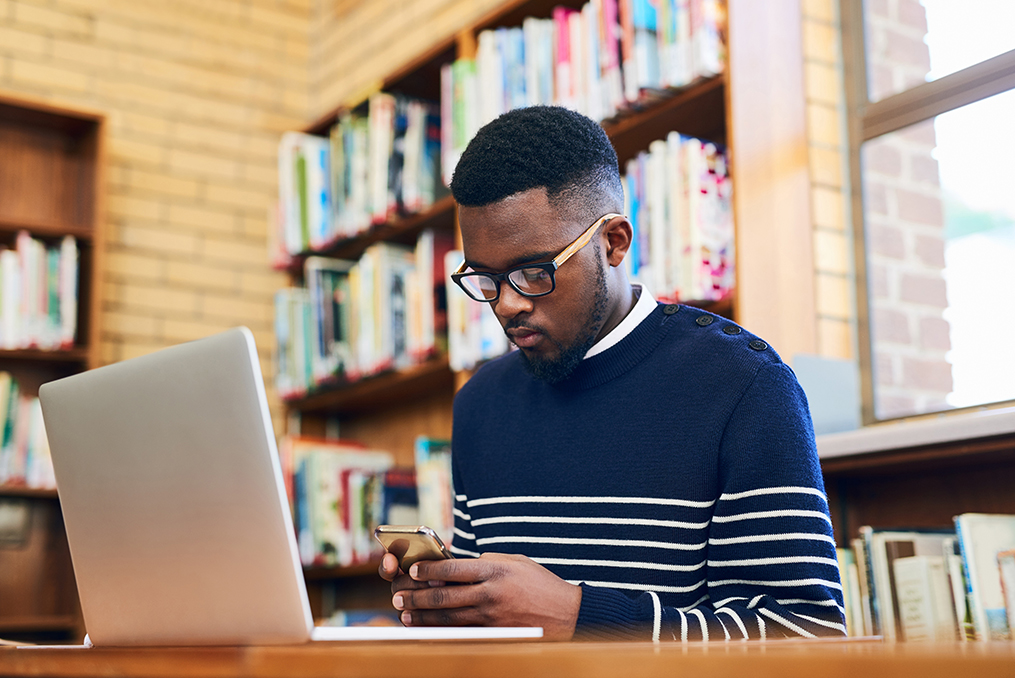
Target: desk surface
782,659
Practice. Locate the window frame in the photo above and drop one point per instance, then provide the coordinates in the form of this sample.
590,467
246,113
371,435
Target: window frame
867,120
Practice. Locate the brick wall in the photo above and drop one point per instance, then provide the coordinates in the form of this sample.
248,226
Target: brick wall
356,43
826,110
196,94
905,227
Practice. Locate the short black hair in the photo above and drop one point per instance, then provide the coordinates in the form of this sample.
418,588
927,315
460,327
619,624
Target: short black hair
551,147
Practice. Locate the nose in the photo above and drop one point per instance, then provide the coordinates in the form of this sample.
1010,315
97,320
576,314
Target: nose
510,303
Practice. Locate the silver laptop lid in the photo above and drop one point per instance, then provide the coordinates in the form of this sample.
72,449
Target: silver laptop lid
172,496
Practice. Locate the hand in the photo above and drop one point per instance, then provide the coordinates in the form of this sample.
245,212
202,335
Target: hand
493,590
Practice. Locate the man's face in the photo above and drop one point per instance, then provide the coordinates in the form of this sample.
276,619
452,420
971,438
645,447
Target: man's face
555,331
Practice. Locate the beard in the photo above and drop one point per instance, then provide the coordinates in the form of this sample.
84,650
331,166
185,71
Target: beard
556,370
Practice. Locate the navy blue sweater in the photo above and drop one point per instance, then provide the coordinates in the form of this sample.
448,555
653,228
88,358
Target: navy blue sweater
673,476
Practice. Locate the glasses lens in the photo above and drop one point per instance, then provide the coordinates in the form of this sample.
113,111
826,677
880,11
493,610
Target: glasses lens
532,280
479,286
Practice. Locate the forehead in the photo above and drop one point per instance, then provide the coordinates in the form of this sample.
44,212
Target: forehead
520,228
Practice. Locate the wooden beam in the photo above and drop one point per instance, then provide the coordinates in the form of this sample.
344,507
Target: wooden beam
771,182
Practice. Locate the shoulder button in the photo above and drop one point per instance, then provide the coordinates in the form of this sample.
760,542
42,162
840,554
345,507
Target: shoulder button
670,309
731,329
758,345
704,320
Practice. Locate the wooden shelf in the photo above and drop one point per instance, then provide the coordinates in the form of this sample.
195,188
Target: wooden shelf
697,110
400,229
27,492
383,390
45,230
78,354
348,572
42,623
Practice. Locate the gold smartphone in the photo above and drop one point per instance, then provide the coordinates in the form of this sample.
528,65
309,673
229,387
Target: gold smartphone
411,543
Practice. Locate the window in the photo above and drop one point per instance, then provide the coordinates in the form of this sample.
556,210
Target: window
931,94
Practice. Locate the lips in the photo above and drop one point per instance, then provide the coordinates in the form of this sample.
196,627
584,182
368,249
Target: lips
524,338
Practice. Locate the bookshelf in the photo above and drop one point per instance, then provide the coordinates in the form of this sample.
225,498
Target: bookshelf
51,161
387,411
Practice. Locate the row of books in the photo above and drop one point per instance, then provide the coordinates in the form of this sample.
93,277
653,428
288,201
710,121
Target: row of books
38,294
610,56
356,319
933,585
24,450
369,168
678,196
340,491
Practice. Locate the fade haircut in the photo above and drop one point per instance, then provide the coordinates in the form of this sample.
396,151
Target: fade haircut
547,147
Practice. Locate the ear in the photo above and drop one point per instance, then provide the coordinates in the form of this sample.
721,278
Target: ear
617,240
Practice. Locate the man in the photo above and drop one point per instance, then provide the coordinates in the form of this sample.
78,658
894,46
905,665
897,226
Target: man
634,469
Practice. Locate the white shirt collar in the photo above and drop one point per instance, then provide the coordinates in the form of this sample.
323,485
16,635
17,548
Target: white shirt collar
642,309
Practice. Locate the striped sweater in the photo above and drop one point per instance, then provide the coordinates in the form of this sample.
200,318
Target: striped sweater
673,476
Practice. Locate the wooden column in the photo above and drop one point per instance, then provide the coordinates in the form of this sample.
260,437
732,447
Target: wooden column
771,184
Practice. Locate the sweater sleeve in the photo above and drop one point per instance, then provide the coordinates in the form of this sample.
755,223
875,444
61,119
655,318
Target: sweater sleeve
463,543
770,568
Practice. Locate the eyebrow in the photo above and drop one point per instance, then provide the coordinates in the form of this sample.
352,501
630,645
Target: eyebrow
531,259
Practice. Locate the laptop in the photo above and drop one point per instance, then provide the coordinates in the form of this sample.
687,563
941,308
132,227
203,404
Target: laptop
175,511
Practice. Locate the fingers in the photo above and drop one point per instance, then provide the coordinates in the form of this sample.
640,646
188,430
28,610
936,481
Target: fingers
455,617
437,598
463,570
388,569
404,582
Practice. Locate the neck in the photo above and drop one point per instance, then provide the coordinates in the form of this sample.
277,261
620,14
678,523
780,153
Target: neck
621,302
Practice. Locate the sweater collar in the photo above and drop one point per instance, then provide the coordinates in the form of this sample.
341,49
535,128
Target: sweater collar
623,356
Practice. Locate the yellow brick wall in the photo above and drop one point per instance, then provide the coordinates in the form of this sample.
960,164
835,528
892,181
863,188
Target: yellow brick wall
196,94
357,43
833,275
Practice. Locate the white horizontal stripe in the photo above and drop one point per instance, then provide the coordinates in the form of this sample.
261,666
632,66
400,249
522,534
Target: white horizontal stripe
726,601
736,618
785,622
777,582
462,497
465,535
780,536
461,514
754,601
772,490
773,561
620,563
589,521
827,602
695,604
753,515
838,626
463,552
638,587
637,543
590,500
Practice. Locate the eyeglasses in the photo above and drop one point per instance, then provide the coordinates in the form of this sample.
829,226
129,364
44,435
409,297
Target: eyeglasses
529,280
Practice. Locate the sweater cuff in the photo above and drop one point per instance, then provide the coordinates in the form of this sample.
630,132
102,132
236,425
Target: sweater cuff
609,614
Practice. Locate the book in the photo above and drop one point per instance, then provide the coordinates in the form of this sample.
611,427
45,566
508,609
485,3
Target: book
334,498
925,607
1006,569
981,537
25,459
433,483
883,547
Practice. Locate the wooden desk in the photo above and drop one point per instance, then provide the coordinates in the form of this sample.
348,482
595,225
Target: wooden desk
782,659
